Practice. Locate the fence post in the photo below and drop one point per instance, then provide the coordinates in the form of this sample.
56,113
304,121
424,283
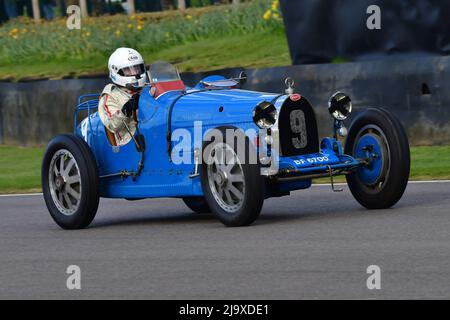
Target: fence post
36,10
83,8
131,7
181,4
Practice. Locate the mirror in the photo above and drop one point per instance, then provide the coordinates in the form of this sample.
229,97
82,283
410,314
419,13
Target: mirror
242,78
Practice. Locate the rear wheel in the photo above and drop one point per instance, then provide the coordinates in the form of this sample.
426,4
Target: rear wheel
70,182
233,188
378,136
197,204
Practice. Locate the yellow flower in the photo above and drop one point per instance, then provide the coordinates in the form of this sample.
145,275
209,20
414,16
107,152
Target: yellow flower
275,5
133,17
139,27
130,26
189,17
118,33
13,32
267,15
276,15
87,34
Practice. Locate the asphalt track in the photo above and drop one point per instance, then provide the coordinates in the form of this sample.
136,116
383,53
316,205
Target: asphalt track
315,244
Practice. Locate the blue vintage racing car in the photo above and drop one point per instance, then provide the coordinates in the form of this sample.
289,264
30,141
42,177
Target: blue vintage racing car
222,150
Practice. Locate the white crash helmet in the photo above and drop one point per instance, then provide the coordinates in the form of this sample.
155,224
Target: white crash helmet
127,69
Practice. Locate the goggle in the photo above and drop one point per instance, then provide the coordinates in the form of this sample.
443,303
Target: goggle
132,71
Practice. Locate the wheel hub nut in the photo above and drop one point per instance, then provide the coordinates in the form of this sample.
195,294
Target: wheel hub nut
59,183
221,178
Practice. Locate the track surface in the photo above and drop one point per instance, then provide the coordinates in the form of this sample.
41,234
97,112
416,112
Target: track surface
313,244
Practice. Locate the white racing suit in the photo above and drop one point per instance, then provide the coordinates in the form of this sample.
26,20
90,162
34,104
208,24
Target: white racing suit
112,99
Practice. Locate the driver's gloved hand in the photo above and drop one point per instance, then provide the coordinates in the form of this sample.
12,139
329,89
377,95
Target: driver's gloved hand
131,105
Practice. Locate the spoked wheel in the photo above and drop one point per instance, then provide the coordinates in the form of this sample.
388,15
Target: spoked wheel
70,182
233,188
379,138
226,178
65,182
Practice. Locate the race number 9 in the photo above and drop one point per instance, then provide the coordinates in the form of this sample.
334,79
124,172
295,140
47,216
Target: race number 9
298,127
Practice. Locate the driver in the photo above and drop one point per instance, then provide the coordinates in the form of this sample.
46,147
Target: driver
119,100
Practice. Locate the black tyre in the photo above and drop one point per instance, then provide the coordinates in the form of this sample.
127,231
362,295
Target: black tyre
197,204
377,135
233,188
70,182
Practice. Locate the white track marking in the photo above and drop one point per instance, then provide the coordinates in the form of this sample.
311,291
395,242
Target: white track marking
430,181
314,185
21,195
410,182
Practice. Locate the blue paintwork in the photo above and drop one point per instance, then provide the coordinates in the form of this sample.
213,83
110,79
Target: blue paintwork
163,178
371,173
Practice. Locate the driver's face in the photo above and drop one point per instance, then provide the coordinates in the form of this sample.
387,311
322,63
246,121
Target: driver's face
132,71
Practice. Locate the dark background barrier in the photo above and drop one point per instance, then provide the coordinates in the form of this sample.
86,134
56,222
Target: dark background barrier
416,90
320,31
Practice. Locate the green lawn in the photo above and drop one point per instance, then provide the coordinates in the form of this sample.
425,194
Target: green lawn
20,167
253,50
430,162
198,39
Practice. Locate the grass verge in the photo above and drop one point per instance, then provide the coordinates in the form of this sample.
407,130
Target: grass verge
247,35
20,167
253,50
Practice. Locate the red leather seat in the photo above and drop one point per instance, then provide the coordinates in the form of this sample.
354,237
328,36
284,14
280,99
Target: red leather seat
163,87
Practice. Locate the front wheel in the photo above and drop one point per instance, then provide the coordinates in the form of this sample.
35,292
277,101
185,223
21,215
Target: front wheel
378,137
70,182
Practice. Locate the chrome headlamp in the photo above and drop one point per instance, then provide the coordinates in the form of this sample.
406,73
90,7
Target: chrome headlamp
340,106
265,115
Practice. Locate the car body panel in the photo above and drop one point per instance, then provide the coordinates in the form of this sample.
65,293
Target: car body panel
178,110
161,177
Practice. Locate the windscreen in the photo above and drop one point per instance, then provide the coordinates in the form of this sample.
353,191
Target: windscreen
162,71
